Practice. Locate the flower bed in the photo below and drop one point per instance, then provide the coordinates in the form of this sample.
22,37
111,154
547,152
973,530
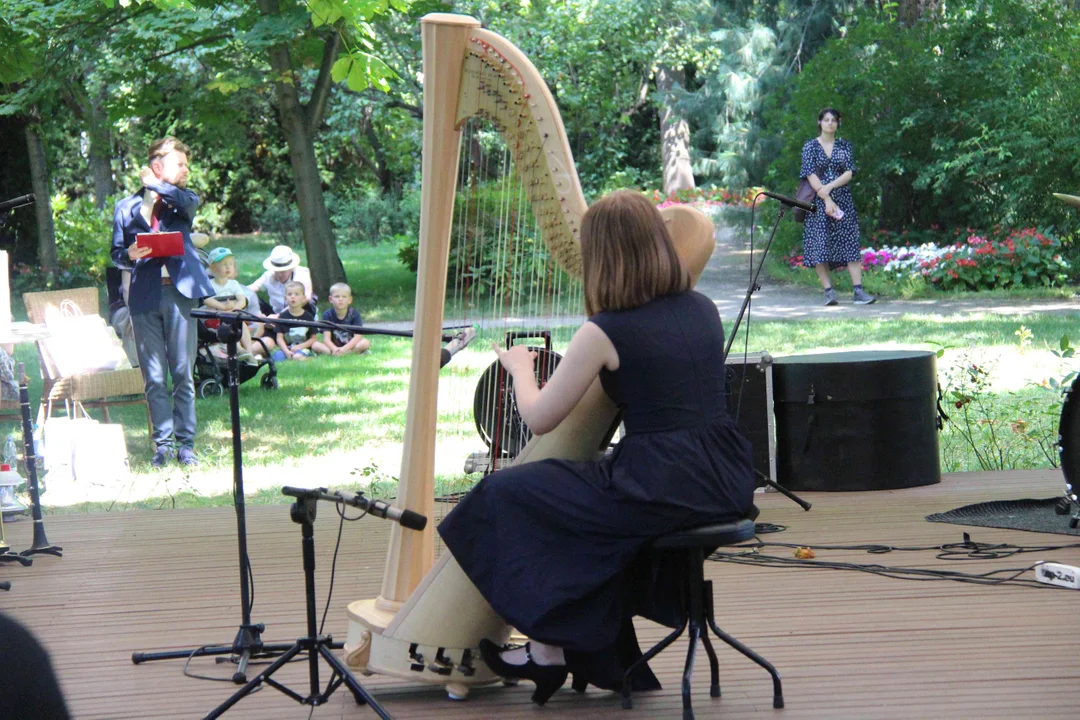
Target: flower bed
707,197
981,261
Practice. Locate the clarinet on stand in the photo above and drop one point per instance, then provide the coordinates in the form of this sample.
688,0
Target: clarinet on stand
41,542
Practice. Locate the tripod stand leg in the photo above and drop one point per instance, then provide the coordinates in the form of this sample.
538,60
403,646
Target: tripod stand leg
255,682
264,649
359,692
785,492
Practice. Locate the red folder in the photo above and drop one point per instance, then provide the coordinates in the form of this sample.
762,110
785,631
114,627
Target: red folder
161,244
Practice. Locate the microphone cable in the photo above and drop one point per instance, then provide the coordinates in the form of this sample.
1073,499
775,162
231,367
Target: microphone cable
340,507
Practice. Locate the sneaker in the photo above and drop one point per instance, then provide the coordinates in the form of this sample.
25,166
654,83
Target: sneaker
161,456
186,456
863,298
830,297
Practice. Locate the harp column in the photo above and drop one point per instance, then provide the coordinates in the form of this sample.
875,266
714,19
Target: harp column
412,553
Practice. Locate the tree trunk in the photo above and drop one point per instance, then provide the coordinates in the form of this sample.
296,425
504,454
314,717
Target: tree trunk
100,133
911,11
39,178
382,163
322,257
896,200
300,124
674,134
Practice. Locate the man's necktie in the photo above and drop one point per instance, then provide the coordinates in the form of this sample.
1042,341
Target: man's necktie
155,215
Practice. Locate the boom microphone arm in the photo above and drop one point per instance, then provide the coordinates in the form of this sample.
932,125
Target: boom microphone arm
16,202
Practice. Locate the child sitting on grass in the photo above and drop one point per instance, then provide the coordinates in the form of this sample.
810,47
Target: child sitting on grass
229,296
341,341
297,342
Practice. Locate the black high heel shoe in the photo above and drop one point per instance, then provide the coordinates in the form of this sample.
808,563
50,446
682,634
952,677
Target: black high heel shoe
548,678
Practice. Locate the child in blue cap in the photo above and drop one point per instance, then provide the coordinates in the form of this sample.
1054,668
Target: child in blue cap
229,295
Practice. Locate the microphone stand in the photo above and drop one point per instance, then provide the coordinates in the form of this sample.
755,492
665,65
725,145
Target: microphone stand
315,645
248,644
750,290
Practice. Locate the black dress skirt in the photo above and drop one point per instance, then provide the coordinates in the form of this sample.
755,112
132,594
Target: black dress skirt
555,546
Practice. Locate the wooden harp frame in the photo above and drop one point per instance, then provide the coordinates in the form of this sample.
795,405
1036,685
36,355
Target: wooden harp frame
427,621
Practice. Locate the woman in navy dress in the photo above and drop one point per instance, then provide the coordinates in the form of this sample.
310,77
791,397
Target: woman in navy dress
554,546
831,234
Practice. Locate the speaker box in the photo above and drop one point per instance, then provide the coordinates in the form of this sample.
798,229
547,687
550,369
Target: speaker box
749,389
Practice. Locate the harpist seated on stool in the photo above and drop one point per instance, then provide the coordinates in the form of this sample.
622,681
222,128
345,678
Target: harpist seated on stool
554,546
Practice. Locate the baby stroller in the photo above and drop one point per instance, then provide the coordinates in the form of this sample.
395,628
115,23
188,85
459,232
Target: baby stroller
210,370
210,360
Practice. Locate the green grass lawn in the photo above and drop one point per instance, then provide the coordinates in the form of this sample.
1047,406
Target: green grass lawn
340,421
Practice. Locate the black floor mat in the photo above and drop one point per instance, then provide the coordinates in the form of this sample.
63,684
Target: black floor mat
1033,515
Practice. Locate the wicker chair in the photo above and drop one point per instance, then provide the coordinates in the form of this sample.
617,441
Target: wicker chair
101,389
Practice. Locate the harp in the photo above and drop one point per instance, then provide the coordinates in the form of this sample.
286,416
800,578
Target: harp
428,620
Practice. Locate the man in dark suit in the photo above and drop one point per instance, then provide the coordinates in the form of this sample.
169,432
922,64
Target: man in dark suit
163,292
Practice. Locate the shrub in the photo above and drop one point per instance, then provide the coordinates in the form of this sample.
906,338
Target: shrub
1001,430
282,219
83,241
1022,258
997,259
477,261
965,118
704,196
372,218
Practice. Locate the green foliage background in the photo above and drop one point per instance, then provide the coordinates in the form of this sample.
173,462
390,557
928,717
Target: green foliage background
966,122
966,117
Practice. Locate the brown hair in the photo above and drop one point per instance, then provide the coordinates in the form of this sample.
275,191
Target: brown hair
832,111
627,255
295,283
164,146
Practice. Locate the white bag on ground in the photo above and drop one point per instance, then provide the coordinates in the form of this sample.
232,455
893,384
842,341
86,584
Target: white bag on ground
80,344
58,440
99,456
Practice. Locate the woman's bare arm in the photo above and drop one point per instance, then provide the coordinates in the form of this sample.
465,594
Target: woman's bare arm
589,351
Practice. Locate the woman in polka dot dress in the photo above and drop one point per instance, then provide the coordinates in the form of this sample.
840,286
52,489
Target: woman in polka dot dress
831,234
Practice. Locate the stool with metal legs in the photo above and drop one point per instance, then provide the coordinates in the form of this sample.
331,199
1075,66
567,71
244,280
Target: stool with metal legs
688,548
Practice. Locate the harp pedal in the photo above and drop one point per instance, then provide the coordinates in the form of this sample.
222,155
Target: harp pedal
418,659
441,665
466,667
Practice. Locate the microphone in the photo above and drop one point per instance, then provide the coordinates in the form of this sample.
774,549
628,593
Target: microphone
16,202
382,509
789,201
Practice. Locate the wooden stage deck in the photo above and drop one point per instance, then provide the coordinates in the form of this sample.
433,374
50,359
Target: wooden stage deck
848,645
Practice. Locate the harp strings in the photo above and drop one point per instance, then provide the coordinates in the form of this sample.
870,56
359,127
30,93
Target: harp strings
503,277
